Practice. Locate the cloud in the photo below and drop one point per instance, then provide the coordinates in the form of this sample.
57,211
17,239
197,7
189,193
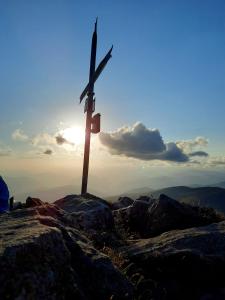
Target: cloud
48,152
199,153
189,145
60,140
47,139
43,139
44,143
216,161
142,143
19,135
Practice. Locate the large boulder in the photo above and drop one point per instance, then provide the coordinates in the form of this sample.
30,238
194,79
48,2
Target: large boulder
43,257
131,220
186,264
148,217
166,214
32,202
34,261
88,213
122,202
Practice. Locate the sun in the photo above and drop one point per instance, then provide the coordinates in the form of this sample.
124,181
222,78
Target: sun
74,135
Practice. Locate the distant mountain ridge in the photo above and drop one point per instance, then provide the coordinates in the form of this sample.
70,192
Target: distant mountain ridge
204,196
219,184
134,193
51,194
197,195
210,196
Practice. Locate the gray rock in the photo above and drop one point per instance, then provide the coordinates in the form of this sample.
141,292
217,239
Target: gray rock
31,202
204,240
148,217
122,203
43,257
145,198
188,263
166,214
34,261
88,213
131,220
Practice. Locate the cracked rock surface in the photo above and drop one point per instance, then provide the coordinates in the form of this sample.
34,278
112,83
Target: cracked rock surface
82,247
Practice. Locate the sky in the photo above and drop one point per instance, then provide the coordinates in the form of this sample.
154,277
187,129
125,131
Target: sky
161,96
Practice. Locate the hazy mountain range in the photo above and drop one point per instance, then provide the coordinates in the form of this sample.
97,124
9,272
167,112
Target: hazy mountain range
52,194
210,196
200,196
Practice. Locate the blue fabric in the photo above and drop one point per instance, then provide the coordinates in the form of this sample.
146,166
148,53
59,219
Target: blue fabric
4,196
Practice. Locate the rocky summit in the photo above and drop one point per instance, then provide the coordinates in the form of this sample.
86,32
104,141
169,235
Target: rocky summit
83,247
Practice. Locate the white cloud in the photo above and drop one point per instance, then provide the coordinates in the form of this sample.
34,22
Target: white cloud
43,139
189,145
19,135
216,161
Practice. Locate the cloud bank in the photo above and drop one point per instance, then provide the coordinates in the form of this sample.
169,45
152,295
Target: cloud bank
142,143
41,143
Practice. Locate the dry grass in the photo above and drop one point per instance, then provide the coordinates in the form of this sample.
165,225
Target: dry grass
116,258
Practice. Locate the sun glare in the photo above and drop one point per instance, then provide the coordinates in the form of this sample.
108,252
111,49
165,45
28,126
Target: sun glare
74,135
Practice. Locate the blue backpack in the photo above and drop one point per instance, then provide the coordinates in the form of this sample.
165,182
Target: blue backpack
4,196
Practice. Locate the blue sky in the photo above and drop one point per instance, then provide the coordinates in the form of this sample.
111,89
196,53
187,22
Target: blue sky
167,69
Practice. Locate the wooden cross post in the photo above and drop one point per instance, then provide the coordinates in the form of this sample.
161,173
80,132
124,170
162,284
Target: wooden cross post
92,122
